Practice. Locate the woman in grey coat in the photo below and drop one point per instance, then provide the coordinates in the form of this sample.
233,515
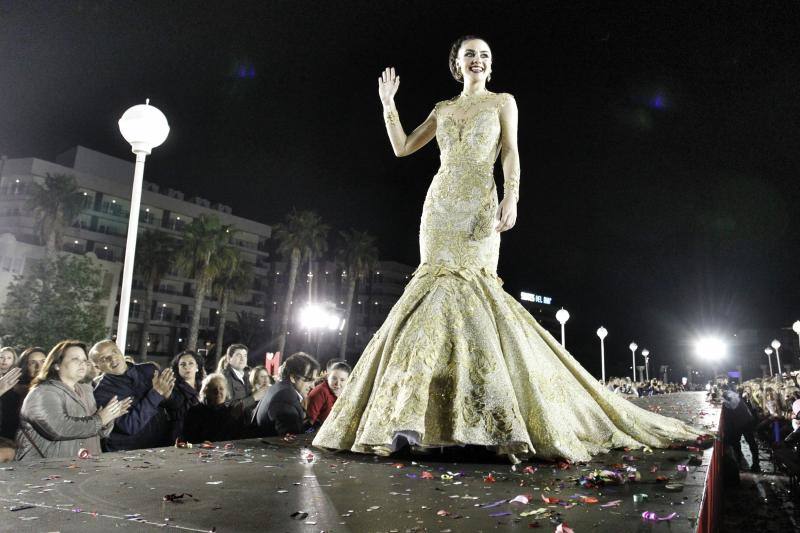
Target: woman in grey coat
59,416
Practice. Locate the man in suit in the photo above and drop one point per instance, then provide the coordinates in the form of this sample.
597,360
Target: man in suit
281,411
238,376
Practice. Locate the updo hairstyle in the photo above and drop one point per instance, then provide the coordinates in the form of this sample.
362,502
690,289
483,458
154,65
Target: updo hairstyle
454,55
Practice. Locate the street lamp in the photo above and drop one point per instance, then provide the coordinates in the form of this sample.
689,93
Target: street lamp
646,355
712,349
633,347
796,329
768,351
602,333
777,344
317,317
145,128
562,316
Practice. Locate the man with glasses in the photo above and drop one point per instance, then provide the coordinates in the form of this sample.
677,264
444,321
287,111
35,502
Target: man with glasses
147,423
281,410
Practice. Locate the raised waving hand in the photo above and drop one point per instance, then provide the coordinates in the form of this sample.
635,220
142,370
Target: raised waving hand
388,84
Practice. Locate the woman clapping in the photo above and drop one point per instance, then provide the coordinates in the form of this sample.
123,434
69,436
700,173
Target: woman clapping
59,416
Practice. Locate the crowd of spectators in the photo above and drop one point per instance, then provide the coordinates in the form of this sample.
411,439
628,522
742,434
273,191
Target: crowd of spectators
763,411
77,401
652,387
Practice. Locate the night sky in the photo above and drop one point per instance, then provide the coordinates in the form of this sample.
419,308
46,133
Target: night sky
660,147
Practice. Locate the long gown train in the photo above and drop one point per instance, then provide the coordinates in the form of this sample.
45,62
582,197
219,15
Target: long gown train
458,360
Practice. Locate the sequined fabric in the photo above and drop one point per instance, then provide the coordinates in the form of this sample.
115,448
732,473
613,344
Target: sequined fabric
458,360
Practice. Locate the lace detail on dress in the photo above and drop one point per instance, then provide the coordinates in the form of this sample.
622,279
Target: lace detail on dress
458,360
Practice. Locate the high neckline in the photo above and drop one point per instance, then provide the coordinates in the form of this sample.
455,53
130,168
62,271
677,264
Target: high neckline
480,93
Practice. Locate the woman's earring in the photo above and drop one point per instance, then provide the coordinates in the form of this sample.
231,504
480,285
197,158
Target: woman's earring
489,77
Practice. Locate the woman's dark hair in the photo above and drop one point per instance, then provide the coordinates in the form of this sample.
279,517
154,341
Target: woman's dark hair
298,364
56,355
332,362
201,372
454,55
340,365
22,363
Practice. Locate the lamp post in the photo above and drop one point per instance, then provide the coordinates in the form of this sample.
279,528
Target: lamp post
768,351
777,344
646,355
145,128
796,329
602,333
562,316
633,347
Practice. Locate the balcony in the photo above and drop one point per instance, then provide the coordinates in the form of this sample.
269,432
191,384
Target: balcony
114,209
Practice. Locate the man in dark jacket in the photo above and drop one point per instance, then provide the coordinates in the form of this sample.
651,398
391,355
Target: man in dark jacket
281,410
238,376
739,422
147,424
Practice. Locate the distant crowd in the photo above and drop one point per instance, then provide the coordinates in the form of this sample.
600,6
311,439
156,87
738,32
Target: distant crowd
765,412
76,401
650,387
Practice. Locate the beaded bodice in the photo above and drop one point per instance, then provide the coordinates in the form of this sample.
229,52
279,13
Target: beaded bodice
457,227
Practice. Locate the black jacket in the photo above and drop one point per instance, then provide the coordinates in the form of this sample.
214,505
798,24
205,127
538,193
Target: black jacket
241,393
280,412
213,423
147,424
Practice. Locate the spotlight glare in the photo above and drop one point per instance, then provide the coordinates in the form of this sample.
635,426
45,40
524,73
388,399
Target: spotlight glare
710,348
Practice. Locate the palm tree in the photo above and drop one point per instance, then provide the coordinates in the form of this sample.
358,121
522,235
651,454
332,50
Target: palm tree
236,278
303,236
155,256
202,256
359,255
247,327
56,204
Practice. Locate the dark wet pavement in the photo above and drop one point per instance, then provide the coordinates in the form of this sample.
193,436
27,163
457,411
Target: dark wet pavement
274,485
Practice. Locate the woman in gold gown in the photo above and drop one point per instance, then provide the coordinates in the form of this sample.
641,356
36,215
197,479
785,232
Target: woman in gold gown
459,361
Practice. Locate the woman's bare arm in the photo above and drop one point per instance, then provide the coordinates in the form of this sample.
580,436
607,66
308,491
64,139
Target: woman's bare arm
402,144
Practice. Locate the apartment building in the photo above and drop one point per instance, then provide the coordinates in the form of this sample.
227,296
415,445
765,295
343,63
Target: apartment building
100,231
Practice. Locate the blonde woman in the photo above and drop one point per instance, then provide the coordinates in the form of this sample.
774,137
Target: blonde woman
260,378
213,418
8,358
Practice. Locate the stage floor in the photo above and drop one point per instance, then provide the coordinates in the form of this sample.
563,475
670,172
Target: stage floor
269,485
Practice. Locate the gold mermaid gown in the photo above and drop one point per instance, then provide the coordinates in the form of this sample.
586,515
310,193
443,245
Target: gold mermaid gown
459,361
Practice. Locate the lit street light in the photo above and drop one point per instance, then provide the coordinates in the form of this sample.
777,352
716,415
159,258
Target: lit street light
633,347
602,333
319,319
145,128
712,350
562,316
646,355
796,329
777,344
768,351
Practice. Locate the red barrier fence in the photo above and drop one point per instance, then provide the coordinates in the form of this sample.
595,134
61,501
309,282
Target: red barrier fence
712,494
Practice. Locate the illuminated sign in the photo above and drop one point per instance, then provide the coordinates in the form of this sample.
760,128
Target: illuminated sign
535,298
